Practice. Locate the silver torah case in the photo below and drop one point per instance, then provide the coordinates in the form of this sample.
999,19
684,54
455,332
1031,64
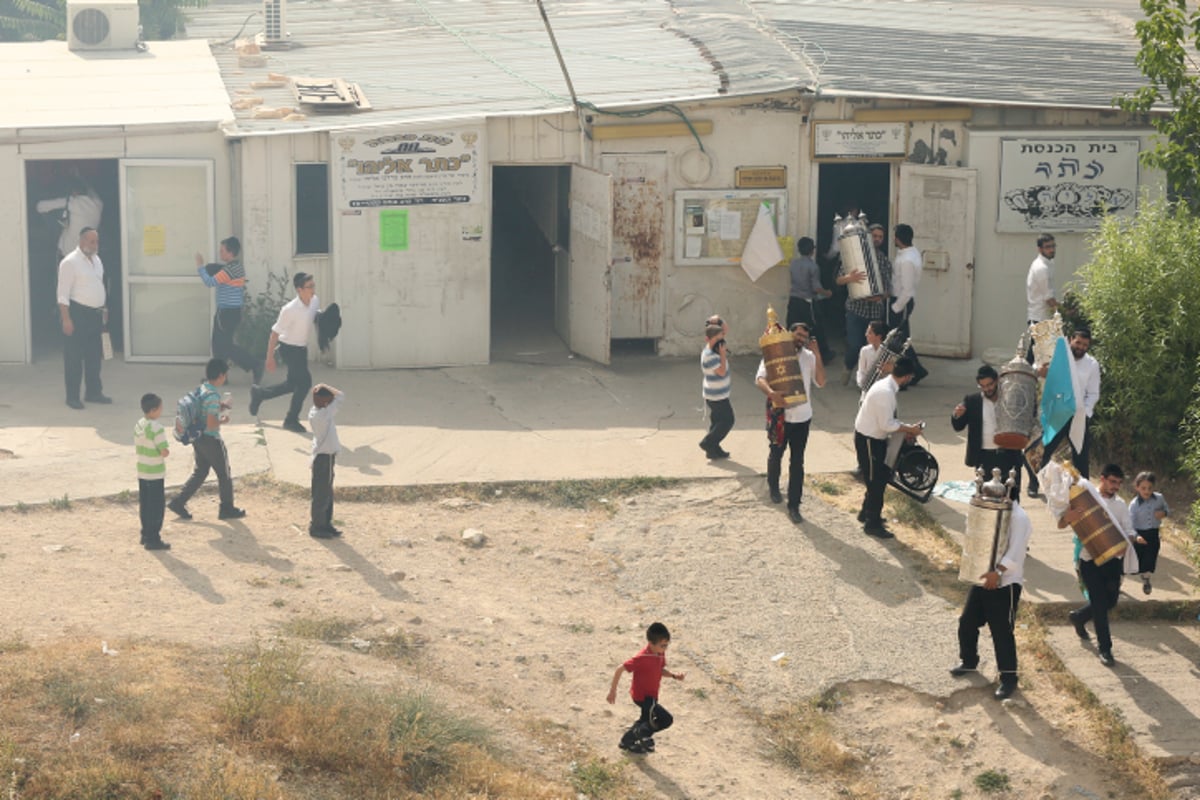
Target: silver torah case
986,538
858,253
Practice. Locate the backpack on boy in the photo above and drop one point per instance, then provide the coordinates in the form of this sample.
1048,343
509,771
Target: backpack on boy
190,419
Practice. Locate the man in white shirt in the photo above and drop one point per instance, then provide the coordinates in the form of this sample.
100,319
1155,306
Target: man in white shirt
290,334
994,603
83,312
876,421
787,428
906,278
1039,283
1103,582
1087,385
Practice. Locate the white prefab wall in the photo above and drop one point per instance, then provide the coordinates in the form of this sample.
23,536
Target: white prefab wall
14,275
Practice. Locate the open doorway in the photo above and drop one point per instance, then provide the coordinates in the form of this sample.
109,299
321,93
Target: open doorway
530,229
52,227
862,185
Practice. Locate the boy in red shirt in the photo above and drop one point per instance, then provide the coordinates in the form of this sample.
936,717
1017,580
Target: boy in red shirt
648,667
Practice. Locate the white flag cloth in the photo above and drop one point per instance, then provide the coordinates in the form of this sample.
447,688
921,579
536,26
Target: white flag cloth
762,248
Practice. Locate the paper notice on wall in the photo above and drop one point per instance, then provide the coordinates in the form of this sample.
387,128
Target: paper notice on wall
393,230
154,240
731,225
692,246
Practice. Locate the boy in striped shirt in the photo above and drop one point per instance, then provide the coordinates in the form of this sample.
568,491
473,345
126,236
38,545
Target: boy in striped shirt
150,442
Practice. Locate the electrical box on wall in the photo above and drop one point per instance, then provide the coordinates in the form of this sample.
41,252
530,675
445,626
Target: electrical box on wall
103,25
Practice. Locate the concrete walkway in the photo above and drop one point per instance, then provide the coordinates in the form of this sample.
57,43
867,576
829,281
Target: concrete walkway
550,416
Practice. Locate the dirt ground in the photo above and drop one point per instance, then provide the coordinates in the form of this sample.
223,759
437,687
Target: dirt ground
526,629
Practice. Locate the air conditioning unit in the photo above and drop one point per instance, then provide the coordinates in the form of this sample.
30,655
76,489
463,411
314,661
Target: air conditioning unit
102,24
274,34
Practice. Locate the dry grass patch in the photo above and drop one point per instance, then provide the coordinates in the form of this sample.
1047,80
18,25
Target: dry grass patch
804,738
159,721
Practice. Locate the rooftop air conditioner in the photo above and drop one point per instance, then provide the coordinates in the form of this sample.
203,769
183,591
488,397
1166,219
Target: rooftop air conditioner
102,24
274,34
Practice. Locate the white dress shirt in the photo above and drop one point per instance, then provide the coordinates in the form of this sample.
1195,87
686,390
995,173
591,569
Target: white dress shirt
906,277
866,360
83,211
808,365
296,320
877,414
1086,377
988,419
1019,530
1039,287
81,278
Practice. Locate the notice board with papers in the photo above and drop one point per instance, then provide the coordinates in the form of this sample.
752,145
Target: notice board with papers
712,225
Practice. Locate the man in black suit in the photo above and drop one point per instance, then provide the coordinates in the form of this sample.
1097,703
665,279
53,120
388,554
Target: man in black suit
977,413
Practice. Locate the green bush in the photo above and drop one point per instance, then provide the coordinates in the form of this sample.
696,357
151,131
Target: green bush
260,312
1141,293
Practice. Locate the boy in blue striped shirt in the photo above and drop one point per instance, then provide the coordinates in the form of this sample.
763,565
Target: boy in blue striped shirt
150,443
714,363
229,279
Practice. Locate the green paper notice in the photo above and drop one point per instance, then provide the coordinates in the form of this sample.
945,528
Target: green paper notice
393,230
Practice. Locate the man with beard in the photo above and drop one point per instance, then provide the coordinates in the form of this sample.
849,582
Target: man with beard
977,413
863,311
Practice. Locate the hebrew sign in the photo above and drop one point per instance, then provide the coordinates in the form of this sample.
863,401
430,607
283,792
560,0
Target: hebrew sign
383,170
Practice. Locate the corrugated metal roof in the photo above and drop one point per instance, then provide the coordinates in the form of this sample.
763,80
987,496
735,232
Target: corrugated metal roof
48,86
445,59
1057,53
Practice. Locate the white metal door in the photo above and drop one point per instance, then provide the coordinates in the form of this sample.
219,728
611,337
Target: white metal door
939,204
589,293
639,203
167,216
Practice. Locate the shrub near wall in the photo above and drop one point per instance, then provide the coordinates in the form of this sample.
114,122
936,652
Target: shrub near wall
1141,292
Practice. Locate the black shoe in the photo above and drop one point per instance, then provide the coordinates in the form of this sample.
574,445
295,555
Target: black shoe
99,399
75,404
962,668
323,533
632,747
795,516
1080,627
233,512
255,399
647,744
1005,691
256,373
878,531
1032,491
776,497
179,509
1106,658
159,545
294,426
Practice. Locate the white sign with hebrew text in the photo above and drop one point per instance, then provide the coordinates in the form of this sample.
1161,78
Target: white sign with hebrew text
1069,184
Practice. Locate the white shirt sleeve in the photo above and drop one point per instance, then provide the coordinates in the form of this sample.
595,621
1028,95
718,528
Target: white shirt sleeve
1091,389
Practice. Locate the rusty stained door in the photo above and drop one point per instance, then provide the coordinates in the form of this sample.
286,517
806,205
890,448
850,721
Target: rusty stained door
639,214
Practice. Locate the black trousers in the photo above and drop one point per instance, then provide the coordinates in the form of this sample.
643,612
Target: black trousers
1148,553
298,381
151,506
225,325
654,718
795,440
1079,459
210,454
322,492
83,353
997,608
878,475
1103,584
901,321
1010,462
720,414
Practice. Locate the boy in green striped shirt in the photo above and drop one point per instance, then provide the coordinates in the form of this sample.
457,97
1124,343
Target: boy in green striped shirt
150,442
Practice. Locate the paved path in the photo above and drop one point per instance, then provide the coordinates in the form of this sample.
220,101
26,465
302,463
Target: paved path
550,417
